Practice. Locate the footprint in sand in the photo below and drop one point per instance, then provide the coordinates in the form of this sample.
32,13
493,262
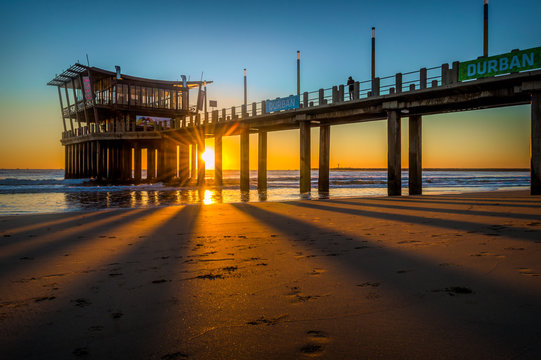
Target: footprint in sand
316,343
317,272
527,272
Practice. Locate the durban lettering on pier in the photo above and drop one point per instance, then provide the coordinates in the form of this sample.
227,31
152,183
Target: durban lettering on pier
500,64
288,103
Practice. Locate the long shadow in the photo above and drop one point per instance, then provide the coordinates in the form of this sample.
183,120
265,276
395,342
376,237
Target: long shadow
135,286
518,232
468,201
8,268
59,224
411,283
439,210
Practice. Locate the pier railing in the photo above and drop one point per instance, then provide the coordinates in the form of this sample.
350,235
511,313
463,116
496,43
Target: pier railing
421,79
399,83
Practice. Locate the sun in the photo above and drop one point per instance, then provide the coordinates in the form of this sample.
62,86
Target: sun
208,157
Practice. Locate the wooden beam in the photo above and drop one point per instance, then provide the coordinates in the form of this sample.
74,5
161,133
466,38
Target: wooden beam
68,101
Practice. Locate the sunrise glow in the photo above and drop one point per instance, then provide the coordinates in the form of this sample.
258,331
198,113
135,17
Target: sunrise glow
208,158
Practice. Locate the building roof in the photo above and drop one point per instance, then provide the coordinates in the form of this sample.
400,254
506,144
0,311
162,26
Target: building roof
77,69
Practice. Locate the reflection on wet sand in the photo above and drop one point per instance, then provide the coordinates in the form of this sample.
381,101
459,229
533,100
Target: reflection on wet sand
150,198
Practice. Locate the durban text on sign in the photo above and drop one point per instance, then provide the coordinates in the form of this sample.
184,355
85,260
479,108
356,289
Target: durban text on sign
506,63
288,103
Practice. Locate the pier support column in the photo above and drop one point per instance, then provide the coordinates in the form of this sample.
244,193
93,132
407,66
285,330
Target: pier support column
262,161
324,158
193,169
151,162
169,160
88,159
415,155
393,154
244,160
110,161
160,161
184,163
305,185
218,170
535,143
99,164
77,160
200,162
126,161
66,161
137,163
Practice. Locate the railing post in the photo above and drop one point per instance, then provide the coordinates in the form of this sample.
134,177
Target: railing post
341,93
375,86
305,99
454,73
224,114
233,116
263,107
214,116
321,97
422,78
334,94
254,109
244,114
356,90
444,74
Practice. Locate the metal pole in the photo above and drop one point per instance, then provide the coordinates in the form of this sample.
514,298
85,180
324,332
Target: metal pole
485,30
298,72
245,94
205,106
373,52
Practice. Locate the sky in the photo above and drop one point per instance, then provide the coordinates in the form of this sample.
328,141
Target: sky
163,39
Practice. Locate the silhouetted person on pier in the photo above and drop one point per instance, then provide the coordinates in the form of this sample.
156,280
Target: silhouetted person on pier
351,84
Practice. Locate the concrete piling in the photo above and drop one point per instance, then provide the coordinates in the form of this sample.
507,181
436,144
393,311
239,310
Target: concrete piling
262,161
393,154
415,155
244,160
305,178
535,143
324,158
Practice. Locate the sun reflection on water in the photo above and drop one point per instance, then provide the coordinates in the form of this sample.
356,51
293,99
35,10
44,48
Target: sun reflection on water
207,198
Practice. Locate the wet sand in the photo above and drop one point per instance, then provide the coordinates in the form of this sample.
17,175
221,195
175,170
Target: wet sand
446,277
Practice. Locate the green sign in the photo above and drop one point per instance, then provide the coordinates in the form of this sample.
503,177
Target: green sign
500,64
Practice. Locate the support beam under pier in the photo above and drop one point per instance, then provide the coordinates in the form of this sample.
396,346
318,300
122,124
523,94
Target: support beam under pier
244,160
535,143
151,162
218,169
262,161
393,154
415,155
137,163
193,172
305,185
324,158
200,162
184,163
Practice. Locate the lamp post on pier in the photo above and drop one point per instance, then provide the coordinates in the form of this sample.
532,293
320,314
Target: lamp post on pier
245,94
485,29
298,72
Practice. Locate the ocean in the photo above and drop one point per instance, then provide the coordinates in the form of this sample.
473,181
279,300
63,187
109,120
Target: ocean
46,191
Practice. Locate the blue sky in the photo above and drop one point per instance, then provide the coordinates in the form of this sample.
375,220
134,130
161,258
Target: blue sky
163,39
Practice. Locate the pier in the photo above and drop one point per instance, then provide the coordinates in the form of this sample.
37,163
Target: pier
120,117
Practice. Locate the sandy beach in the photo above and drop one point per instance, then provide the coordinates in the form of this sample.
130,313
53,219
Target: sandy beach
427,277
